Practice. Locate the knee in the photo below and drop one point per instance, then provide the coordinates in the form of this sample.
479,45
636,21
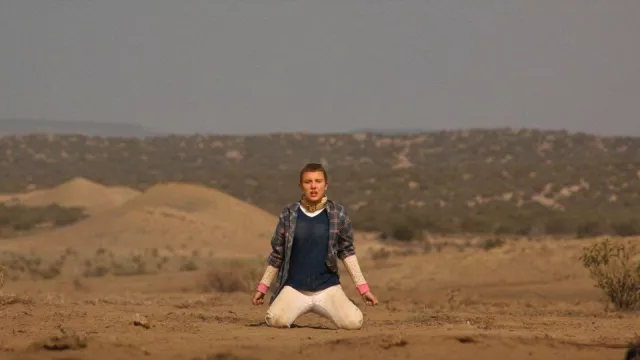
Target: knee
352,322
275,320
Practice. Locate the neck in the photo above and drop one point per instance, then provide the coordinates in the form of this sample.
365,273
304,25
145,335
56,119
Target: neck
313,205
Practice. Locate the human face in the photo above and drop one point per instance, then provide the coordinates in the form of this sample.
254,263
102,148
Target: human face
313,186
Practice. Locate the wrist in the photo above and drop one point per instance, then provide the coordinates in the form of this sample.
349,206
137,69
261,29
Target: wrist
262,287
363,288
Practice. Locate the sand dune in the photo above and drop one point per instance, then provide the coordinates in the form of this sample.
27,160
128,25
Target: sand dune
77,192
179,216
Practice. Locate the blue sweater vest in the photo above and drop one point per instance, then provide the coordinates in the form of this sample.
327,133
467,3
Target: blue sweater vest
308,270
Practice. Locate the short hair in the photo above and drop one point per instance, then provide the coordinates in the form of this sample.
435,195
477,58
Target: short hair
313,167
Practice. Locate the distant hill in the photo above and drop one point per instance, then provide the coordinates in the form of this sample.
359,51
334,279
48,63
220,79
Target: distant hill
169,215
32,126
494,181
382,131
78,192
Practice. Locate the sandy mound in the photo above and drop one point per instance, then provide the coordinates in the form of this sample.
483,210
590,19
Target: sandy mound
176,216
78,192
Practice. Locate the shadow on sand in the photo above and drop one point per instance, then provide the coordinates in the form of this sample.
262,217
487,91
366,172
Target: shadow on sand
293,326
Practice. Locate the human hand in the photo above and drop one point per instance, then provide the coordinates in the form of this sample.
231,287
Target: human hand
258,298
369,299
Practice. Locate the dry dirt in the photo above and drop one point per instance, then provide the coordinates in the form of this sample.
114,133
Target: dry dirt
525,299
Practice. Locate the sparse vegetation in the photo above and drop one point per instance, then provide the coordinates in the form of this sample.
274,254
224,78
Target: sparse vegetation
492,243
10,299
62,341
3,272
616,270
403,232
493,182
232,276
18,219
102,263
32,266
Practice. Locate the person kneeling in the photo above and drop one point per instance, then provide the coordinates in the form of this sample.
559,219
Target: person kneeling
311,235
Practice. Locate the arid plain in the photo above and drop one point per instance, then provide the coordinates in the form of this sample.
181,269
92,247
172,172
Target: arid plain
168,273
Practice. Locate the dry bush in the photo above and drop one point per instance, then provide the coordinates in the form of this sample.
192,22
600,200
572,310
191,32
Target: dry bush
3,271
17,219
380,254
492,243
101,263
31,265
200,302
616,272
105,262
10,299
63,341
232,276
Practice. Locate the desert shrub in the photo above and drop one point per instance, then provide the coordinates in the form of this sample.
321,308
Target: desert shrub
19,218
626,228
63,216
558,225
401,227
105,262
129,267
590,228
380,254
3,271
188,265
403,232
492,243
95,270
234,276
22,218
476,224
32,266
505,229
615,271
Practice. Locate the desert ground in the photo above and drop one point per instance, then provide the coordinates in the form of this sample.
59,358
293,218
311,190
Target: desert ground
169,274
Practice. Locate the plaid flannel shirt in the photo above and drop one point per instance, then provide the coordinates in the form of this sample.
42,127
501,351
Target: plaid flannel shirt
340,240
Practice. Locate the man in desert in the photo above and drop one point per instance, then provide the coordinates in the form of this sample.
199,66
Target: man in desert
311,235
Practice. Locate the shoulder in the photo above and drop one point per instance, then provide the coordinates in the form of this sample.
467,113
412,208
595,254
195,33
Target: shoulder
290,208
338,208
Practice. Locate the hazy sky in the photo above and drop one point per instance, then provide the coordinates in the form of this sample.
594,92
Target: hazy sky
324,65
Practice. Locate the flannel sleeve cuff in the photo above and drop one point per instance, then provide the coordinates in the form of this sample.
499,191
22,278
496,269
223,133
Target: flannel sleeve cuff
344,254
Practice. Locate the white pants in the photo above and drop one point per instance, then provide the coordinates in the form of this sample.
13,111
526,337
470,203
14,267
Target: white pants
331,303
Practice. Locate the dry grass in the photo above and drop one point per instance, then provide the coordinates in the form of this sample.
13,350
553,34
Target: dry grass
10,299
103,262
63,341
232,276
3,272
